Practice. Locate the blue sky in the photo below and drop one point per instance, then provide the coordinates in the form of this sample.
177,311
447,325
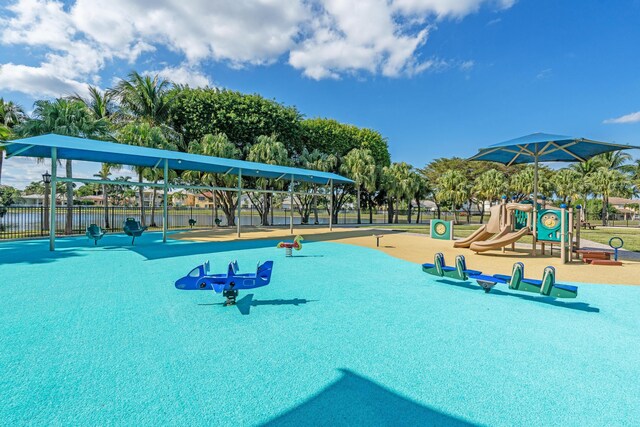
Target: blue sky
436,77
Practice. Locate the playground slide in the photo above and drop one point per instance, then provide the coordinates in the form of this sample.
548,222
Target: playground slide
501,240
477,236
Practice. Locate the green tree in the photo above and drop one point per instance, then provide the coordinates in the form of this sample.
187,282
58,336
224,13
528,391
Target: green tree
101,104
242,118
422,190
144,98
272,152
567,184
35,187
359,165
490,186
400,185
522,182
615,160
64,117
217,145
319,161
11,115
585,170
453,189
142,134
8,196
607,182
331,136
104,174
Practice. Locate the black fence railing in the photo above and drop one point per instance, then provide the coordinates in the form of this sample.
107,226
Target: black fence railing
33,221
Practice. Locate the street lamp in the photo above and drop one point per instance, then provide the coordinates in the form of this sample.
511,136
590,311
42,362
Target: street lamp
46,178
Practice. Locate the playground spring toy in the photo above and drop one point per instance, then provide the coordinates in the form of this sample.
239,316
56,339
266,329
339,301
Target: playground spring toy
133,228
95,233
288,246
547,286
228,284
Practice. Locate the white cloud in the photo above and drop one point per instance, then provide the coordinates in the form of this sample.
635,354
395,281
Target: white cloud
627,118
322,38
544,74
445,8
183,75
38,81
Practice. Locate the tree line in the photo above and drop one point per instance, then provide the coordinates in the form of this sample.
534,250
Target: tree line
148,111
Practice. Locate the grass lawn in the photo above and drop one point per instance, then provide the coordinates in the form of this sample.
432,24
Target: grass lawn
631,236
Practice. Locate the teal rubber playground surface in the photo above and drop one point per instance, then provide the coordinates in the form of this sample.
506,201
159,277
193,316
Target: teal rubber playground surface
343,335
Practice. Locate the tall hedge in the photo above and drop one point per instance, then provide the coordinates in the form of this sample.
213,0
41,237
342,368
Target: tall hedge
243,118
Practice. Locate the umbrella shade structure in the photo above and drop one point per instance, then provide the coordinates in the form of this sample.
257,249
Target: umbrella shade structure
545,147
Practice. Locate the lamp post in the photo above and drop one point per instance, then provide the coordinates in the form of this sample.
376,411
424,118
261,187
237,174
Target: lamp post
46,179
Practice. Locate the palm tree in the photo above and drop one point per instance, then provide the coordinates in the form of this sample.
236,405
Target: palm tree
567,183
422,191
142,134
104,174
606,182
360,166
64,117
144,97
585,170
101,104
11,115
319,161
400,185
453,188
615,160
490,186
217,145
272,152
522,182
4,135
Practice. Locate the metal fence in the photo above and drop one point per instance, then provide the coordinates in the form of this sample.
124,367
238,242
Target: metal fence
33,221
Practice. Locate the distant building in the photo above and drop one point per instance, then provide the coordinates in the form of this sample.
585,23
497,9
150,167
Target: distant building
36,200
625,208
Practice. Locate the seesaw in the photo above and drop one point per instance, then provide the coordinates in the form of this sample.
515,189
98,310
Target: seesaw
547,286
228,284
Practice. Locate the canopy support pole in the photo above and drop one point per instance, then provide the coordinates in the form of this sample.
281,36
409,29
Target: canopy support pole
239,197
165,209
52,201
213,208
535,203
331,205
291,198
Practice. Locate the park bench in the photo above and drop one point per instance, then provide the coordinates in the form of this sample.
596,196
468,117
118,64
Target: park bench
588,225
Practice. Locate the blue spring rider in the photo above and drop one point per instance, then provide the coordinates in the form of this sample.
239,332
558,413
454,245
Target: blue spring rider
228,284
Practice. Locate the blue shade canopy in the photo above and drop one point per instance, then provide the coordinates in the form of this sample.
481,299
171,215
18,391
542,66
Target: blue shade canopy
547,147
109,152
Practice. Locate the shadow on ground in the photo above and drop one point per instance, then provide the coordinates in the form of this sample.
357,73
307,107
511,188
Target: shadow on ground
357,401
582,306
245,303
